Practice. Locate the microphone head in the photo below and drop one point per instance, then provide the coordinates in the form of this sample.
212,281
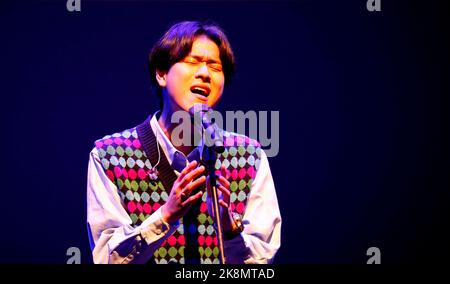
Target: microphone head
199,108
213,133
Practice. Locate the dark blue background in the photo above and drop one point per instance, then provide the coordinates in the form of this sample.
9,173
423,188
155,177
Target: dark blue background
362,98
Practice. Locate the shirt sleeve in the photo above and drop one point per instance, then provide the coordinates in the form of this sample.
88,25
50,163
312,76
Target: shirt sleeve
262,219
112,237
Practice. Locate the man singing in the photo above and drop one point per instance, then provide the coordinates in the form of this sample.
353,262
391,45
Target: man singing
146,195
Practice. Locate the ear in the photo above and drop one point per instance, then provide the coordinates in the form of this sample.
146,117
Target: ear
161,78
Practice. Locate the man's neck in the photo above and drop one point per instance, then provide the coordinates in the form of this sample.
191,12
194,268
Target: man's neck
168,126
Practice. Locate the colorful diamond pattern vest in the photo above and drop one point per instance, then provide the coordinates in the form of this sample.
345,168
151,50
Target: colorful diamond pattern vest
127,165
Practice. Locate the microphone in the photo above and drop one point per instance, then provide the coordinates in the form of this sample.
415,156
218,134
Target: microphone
214,146
214,137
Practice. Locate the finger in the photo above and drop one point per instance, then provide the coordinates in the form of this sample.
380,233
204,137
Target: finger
224,191
224,182
193,185
223,169
225,194
187,169
223,204
192,199
191,175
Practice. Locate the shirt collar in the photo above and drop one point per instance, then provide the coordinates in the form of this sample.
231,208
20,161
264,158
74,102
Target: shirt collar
165,142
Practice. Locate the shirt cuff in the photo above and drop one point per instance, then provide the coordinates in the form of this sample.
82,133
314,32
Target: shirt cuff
154,228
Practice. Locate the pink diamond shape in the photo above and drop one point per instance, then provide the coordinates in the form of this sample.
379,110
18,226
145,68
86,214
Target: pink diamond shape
251,172
136,143
147,208
242,173
117,172
142,174
131,207
234,174
98,144
132,174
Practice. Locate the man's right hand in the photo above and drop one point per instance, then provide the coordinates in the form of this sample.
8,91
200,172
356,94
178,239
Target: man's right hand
180,199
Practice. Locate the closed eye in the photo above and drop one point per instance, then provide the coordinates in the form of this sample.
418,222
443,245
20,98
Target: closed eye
215,67
191,60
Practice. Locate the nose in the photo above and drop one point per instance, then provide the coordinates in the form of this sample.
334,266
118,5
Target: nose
203,73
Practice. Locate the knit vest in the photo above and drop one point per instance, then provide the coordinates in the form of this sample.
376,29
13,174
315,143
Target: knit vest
127,158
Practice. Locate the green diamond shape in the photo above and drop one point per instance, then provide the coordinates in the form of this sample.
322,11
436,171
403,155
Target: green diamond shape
249,183
208,252
202,218
129,151
216,251
134,185
134,218
138,153
127,184
153,185
173,252
120,151
162,252
225,153
181,251
143,185
242,184
119,183
233,186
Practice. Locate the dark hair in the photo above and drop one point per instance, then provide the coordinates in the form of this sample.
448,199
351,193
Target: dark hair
176,44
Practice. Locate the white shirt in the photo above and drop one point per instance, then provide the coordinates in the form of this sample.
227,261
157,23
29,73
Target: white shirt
110,227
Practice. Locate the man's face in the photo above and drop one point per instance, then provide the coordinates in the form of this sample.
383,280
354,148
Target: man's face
198,78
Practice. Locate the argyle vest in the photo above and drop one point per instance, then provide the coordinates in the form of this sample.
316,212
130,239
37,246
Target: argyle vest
127,160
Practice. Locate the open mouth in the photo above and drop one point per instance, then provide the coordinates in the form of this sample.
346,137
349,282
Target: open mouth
199,90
